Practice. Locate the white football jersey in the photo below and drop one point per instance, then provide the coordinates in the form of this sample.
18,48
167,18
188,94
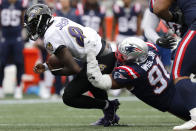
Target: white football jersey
70,34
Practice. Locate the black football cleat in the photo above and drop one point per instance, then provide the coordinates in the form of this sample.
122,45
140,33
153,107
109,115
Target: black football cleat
110,113
101,121
98,122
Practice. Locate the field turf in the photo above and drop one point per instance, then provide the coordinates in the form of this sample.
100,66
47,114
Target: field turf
50,115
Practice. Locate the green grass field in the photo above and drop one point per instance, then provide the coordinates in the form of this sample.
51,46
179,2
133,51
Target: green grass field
55,116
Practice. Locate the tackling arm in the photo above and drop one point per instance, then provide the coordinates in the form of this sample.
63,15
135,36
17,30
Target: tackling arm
97,79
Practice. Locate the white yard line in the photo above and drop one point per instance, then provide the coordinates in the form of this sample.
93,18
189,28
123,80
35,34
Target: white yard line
91,116
37,101
80,124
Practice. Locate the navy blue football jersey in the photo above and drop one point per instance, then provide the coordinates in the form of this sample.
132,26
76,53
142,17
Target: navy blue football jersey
11,16
188,8
93,18
72,15
150,80
127,19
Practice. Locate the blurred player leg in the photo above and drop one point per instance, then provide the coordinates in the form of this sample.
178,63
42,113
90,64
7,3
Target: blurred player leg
19,62
58,86
187,90
45,85
5,50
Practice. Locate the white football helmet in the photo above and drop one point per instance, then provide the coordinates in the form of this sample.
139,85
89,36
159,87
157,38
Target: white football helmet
132,49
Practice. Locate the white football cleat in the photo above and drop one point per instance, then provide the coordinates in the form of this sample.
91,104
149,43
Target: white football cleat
18,93
189,125
44,91
2,93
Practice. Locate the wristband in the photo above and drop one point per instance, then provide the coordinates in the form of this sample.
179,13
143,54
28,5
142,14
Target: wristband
46,66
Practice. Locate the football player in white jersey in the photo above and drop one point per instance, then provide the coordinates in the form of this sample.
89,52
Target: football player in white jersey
64,38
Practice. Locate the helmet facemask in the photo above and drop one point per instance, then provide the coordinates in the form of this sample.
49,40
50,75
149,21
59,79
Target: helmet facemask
37,20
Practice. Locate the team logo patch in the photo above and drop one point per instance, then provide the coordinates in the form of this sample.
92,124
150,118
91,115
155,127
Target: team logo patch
118,75
102,67
33,13
49,47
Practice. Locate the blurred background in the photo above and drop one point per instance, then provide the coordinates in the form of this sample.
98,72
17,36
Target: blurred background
114,20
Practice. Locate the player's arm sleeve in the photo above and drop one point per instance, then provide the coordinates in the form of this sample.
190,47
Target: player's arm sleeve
124,75
94,74
150,23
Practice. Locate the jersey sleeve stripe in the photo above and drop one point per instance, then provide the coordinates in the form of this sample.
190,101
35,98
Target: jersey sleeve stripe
131,72
181,52
134,72
152,45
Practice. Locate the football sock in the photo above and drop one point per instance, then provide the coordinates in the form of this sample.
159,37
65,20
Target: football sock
188,92
19,68
193,114
1,74
106,105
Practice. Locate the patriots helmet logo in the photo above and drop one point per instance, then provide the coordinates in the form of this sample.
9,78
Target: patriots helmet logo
131,49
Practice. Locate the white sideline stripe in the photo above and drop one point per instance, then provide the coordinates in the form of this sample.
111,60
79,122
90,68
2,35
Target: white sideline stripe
37,101
80,124
92,116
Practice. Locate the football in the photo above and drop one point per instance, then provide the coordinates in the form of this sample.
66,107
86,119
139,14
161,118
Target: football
54,63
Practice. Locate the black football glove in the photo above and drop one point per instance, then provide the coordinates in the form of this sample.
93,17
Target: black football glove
166,42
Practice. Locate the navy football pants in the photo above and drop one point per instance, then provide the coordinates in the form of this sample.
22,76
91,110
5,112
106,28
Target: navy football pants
11,50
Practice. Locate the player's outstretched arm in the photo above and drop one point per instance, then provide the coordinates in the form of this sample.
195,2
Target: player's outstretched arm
97,79
70,67
161,9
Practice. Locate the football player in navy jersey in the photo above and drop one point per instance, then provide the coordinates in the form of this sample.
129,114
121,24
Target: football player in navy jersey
12,12
140,67
184,62
128,19
68,12
93,15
